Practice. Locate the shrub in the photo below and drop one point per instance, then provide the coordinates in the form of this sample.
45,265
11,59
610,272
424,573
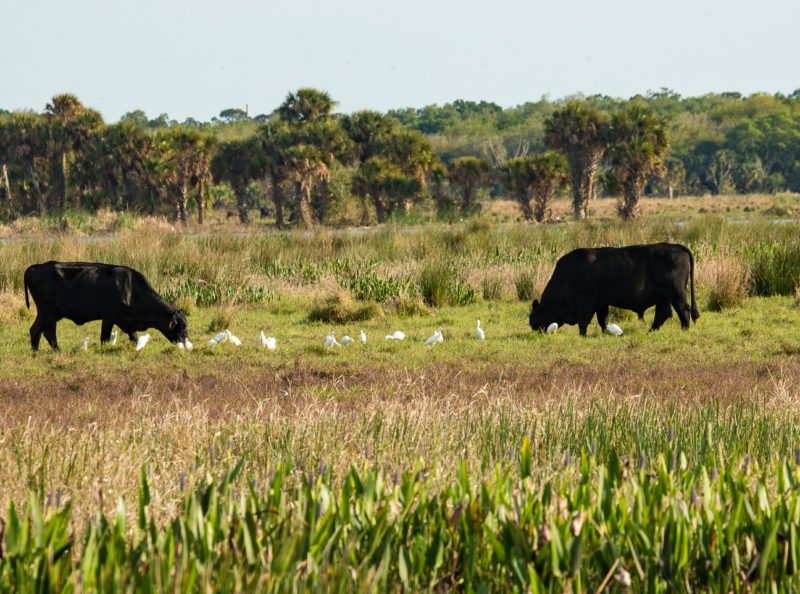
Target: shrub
222,318
523,282
727,280
440,285
775,268
338,308
492,287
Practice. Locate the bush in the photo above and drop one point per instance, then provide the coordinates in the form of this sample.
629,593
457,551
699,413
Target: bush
492,287
727,280
338,308
524,282
440,285
775,268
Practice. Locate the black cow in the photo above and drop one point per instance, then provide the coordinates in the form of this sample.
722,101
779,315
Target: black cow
87,291
586,282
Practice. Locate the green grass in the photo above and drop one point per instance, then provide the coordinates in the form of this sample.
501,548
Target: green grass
500,430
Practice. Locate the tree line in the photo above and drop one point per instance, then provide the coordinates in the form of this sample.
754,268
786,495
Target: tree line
305,160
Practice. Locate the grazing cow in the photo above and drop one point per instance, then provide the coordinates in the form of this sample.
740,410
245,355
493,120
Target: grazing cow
586,282
86,291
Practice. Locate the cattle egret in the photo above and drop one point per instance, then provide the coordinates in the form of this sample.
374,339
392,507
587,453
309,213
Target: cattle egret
262,340
271,343
113,339
479,332
552,328
346,339
436,337
397,335
180,346
232,339
85,346
614,329
363,338
221,337
142,340
330,340
212,343
441,335
189,346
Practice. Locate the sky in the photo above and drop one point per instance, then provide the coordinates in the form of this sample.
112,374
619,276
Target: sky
197,58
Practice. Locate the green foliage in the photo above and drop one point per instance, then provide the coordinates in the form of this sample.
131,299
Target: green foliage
775,267
439,284
207,294
659,526
367,285
524,284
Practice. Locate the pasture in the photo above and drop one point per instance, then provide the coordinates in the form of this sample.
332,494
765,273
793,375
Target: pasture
527,461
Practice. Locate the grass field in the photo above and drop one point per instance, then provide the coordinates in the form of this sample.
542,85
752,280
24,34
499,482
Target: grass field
542,423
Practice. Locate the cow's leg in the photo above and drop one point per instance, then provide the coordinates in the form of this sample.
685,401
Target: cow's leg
602,316
36,333
663,313
585,313
677,299
50,334
134,336
105,330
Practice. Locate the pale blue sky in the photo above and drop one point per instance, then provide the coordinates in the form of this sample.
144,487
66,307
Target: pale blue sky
197,58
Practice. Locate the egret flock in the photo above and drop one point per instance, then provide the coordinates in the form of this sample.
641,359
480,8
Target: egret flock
270,343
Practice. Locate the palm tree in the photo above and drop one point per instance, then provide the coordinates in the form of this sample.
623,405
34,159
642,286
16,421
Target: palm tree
275,138
576,130
119,152
304,163
638,140
28,146
316,142
306,106
369,131
468,173
6,142
191,154
414,157
70,127
368,183
239,161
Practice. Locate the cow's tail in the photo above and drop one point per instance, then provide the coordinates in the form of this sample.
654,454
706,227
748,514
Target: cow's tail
695,311
25,282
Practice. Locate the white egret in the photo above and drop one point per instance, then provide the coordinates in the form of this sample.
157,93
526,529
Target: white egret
180,346
363,338
232,339
141,341
221,337
397,335
552,328
479,332
346,339
330,340
113,339
212,343
85,346
271,343
436,337
189,346
262,340
614,329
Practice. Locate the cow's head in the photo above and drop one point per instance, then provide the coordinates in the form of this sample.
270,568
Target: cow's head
177,328
540,317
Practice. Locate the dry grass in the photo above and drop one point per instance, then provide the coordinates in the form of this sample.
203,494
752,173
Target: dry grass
85,436
339,307
725,278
